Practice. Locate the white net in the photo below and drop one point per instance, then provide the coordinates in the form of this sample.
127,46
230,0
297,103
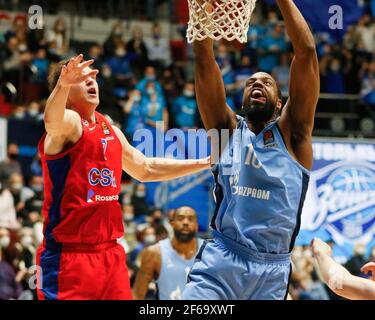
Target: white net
219,19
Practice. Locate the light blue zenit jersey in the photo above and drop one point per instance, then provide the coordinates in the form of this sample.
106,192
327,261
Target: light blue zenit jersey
259,190
174,271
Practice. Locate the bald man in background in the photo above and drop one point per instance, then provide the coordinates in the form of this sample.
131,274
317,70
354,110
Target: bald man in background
169,261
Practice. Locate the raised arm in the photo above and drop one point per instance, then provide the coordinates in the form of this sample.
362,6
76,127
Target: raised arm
297,120
210,90
149,270
339,280
62,125
145,169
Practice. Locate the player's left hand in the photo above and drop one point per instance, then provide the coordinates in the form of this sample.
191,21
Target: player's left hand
319,246
369,267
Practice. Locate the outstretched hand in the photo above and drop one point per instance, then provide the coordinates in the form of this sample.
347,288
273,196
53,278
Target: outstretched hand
75,71
369,267
319,246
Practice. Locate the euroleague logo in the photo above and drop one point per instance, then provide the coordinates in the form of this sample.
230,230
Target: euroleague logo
346,197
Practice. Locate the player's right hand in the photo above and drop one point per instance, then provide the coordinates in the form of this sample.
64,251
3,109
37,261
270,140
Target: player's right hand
76,71
319,247
369,267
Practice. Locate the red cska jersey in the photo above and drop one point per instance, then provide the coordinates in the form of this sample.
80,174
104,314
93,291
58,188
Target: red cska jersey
82,186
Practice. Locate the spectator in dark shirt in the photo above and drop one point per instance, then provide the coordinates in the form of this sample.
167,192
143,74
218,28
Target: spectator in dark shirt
9,287
138,200
136,46
355,263
11,164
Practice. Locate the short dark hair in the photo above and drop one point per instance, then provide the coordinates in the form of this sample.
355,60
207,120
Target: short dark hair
55,72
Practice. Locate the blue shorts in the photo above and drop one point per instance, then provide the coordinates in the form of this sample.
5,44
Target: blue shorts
226,270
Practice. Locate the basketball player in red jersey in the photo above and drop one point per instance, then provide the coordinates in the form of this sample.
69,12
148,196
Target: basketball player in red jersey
83,157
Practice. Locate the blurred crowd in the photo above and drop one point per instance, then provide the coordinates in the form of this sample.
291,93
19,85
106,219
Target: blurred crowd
141,83
143,80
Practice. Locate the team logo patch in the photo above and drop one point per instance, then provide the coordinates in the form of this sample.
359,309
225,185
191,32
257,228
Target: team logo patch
90,194
346,195
268,138
105,129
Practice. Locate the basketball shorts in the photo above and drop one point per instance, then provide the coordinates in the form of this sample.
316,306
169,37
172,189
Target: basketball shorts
83,272
226,270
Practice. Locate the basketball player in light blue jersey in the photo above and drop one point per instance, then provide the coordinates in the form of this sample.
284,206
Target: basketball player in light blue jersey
169,261
259,197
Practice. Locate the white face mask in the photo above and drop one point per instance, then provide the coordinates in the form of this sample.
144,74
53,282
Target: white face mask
128,217
120,53
4,242
17,186
27,241
149,239
188,93
107,73
19,115
37,187
140,194
33,112
137,98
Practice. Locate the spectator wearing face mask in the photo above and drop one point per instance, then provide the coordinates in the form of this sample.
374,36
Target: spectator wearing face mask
137,47
158,48
242,72
114,38
154,106
172,80
226,62
35,203
27,248
282,73
333,77
41,64
95,53
184,109
271,46
149,76
8,217
120,63
9,287
34,111
146,237
130,226
138,200
107,86
20,194
134,114
58,36
11,60
159,223
11,164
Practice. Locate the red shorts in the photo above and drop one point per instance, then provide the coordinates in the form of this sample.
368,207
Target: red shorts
83,272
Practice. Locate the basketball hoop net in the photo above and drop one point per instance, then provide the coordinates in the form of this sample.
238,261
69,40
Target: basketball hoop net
219,19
